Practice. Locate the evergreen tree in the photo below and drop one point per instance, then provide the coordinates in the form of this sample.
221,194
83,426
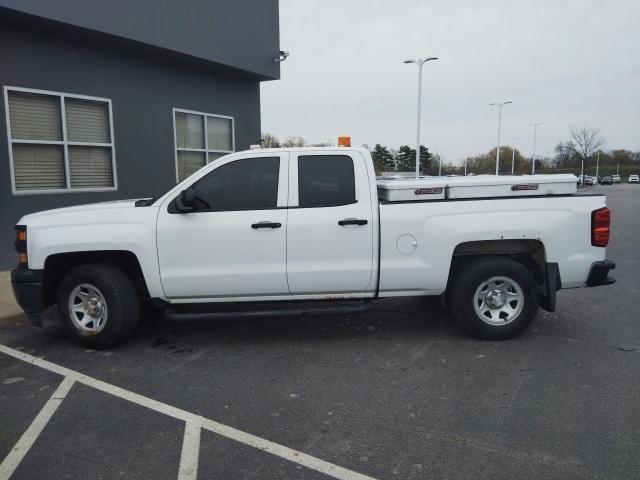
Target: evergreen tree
382,159
407,159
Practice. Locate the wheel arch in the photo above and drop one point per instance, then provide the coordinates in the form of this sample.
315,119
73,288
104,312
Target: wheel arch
529,253
56,266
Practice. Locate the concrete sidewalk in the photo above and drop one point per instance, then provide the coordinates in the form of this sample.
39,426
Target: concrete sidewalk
9,309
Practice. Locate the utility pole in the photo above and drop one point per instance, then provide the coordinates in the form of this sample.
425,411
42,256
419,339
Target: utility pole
535,135
513,154
499,105
420,62
465,166
597,165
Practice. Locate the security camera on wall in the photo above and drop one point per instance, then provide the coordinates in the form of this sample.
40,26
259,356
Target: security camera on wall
283,54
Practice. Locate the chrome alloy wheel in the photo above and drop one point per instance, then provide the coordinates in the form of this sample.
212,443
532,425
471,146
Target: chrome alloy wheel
498,300
88,309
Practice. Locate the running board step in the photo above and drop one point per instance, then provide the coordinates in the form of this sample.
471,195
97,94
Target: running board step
179,316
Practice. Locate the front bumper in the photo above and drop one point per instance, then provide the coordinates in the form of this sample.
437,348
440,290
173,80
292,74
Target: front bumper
28,287
599,274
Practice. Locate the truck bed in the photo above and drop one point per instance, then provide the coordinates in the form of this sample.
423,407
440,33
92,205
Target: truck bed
418,238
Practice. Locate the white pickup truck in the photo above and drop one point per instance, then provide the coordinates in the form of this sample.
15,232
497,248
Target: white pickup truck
303,225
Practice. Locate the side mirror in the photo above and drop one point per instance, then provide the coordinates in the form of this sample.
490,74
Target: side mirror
186,202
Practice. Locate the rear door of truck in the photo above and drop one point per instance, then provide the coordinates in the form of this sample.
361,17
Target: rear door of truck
330,228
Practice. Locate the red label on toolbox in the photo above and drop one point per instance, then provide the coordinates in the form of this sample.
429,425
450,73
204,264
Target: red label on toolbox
526,186
428,191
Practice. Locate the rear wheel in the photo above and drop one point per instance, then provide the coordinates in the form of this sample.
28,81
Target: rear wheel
494,298
98,305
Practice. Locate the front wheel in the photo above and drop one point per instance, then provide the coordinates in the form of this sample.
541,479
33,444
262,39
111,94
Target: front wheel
98,305
494,298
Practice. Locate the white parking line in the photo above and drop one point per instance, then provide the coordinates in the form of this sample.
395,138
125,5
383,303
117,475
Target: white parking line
28,438
192,419
190,452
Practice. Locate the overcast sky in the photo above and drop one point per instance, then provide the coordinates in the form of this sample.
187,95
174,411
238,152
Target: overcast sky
564,63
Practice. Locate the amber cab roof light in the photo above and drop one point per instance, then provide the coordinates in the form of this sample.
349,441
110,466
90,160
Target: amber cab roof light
344,141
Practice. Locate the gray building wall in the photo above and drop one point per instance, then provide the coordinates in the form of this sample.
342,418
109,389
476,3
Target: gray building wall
143,86
242,34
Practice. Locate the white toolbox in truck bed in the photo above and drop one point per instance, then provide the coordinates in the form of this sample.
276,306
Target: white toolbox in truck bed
511,185
479,186
411,189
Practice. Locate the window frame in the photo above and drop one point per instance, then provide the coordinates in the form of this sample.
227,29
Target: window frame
65,143
169,199
294,174
213,171
204,150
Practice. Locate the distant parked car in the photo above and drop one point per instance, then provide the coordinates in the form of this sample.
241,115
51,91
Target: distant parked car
634,179
606,180
583,179
589,180
616,178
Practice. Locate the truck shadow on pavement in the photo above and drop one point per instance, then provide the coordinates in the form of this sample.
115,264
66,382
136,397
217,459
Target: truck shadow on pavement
389,319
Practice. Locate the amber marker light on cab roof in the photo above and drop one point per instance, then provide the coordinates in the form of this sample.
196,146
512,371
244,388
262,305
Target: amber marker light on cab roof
344,141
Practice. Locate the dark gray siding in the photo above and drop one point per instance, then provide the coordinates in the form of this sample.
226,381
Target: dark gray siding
239,33
143,91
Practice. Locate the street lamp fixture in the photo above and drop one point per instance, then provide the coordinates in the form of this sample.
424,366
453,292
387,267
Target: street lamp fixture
420,62
499,105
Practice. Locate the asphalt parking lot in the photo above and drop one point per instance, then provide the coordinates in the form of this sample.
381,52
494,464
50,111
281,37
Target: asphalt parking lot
399,393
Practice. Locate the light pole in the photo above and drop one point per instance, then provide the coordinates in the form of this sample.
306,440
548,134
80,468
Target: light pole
420,62
535,136
513,154
499,105
598,165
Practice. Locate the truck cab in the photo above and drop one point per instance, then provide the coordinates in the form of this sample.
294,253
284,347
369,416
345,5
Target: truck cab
271,224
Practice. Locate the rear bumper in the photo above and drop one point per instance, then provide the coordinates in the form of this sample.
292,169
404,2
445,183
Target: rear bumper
27,287
599,274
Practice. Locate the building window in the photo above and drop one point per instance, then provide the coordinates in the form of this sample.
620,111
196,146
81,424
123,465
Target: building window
200,138
59,142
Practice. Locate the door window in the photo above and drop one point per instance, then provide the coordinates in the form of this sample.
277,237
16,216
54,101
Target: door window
248,184
325,180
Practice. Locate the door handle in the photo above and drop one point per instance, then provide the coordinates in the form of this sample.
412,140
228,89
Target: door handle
352,221
266,225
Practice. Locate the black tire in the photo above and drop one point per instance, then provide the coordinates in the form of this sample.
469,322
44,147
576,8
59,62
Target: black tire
469,279
120,296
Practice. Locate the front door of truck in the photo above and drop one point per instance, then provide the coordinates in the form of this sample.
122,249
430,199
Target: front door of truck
330,244
234,243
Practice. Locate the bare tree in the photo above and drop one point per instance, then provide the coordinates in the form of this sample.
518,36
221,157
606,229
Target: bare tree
565,156
587,141
326,143
293,142
269,140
